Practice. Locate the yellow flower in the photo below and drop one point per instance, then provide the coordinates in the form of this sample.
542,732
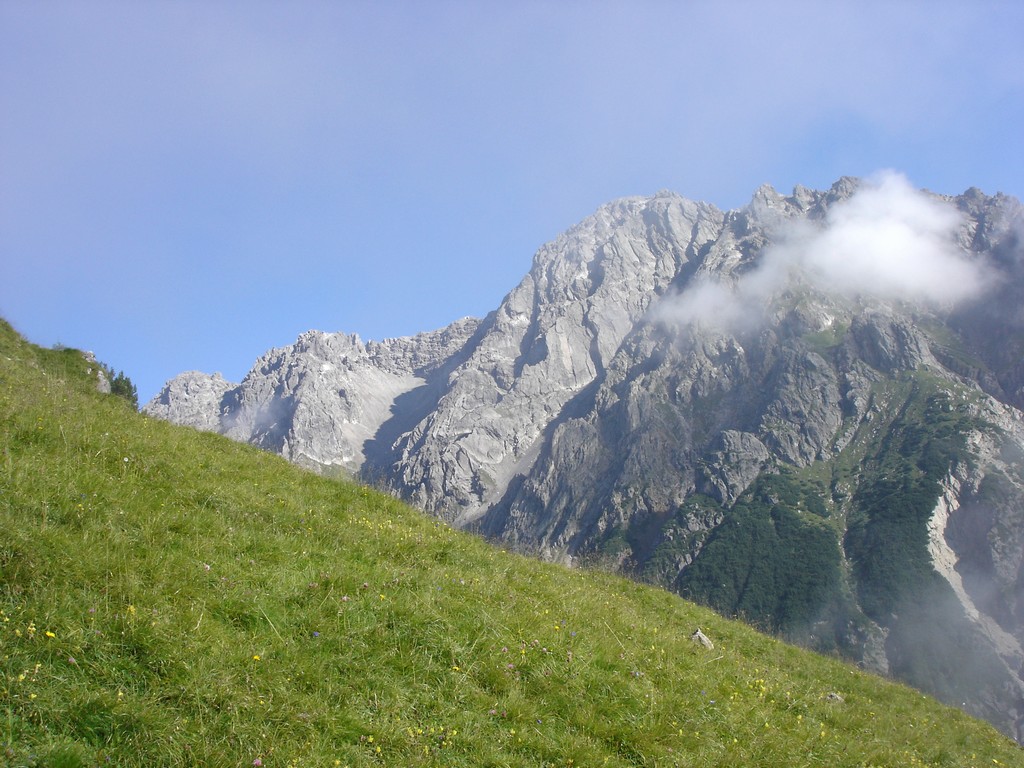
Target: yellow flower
255,657
50,634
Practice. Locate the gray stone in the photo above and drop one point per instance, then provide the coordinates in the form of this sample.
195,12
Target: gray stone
702,639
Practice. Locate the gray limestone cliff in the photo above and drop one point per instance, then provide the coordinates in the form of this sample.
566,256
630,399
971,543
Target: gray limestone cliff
709,401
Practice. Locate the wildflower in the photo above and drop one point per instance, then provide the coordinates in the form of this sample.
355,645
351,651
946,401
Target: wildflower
255,657
257,762
50,634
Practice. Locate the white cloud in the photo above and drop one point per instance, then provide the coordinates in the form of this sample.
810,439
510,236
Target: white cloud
708,302
887,241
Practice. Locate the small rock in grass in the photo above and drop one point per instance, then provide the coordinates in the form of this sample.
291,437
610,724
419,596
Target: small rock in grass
700,637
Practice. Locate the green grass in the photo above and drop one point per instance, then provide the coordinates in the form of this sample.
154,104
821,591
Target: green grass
172,598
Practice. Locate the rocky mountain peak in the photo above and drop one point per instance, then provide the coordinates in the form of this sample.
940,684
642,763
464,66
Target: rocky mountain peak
731,404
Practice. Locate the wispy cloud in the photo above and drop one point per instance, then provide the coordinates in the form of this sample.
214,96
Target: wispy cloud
887,241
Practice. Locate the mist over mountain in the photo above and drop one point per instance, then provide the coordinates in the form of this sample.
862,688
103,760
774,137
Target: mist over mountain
805,412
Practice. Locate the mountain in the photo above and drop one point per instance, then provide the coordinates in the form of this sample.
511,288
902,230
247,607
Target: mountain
805,413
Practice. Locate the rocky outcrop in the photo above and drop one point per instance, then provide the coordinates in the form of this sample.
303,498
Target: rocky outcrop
102,380
193,399
322,401
731,469
668,376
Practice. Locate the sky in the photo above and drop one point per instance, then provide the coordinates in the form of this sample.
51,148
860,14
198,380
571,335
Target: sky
185,185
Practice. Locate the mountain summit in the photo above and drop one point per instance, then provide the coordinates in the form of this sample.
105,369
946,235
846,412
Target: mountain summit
805,412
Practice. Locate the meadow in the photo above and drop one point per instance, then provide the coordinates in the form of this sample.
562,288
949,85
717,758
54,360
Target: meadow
171,598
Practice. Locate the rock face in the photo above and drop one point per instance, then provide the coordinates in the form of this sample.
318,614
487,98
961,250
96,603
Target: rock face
320,402
805,412
193,399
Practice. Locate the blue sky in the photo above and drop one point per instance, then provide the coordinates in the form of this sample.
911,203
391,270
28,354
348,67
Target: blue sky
184,185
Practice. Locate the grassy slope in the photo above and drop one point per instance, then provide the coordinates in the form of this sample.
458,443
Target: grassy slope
172,598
